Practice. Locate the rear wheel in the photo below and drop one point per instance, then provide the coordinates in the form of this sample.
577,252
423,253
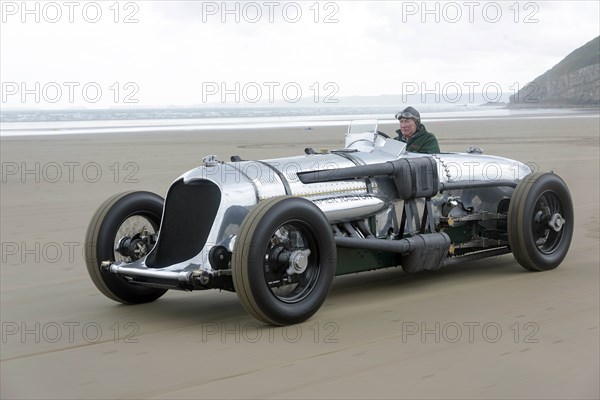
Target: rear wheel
540,221
123,228
284,260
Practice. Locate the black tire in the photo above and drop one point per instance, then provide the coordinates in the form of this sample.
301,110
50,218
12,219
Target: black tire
264,229
536,245
104,231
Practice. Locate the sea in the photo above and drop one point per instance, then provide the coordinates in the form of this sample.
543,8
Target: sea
202,119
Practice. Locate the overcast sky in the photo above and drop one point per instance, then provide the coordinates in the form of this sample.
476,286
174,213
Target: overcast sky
153,53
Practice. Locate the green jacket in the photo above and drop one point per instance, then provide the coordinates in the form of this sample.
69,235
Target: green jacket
421,142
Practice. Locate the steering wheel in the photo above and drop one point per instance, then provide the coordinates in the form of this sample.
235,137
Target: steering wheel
383,134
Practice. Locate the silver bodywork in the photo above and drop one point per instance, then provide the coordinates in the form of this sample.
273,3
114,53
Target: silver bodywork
242,184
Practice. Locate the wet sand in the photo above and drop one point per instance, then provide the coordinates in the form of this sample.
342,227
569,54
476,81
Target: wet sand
485,329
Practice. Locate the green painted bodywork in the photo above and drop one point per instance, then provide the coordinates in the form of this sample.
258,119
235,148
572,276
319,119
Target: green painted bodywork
358,260
459,234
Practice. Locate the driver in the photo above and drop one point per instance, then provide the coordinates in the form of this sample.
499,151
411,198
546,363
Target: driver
413,132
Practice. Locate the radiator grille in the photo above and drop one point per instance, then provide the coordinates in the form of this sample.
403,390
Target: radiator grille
190,211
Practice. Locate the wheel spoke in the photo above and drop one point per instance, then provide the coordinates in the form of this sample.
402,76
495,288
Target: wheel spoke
132,226
547,206
293,236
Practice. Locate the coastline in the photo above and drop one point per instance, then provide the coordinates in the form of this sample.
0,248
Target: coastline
157,125
535,106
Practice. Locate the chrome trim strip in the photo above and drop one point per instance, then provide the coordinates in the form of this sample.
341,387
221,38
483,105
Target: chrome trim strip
286,184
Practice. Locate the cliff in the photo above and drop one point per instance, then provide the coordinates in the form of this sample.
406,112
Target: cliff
575,81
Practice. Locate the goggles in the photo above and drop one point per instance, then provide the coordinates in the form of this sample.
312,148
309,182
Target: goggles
406,115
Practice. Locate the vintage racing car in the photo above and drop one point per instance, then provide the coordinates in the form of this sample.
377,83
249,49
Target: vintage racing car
277,231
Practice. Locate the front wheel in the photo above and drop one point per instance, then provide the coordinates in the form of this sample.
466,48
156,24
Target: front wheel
284,260
540,221
124,228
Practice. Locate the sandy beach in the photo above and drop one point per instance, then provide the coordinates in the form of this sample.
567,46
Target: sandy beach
485,329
